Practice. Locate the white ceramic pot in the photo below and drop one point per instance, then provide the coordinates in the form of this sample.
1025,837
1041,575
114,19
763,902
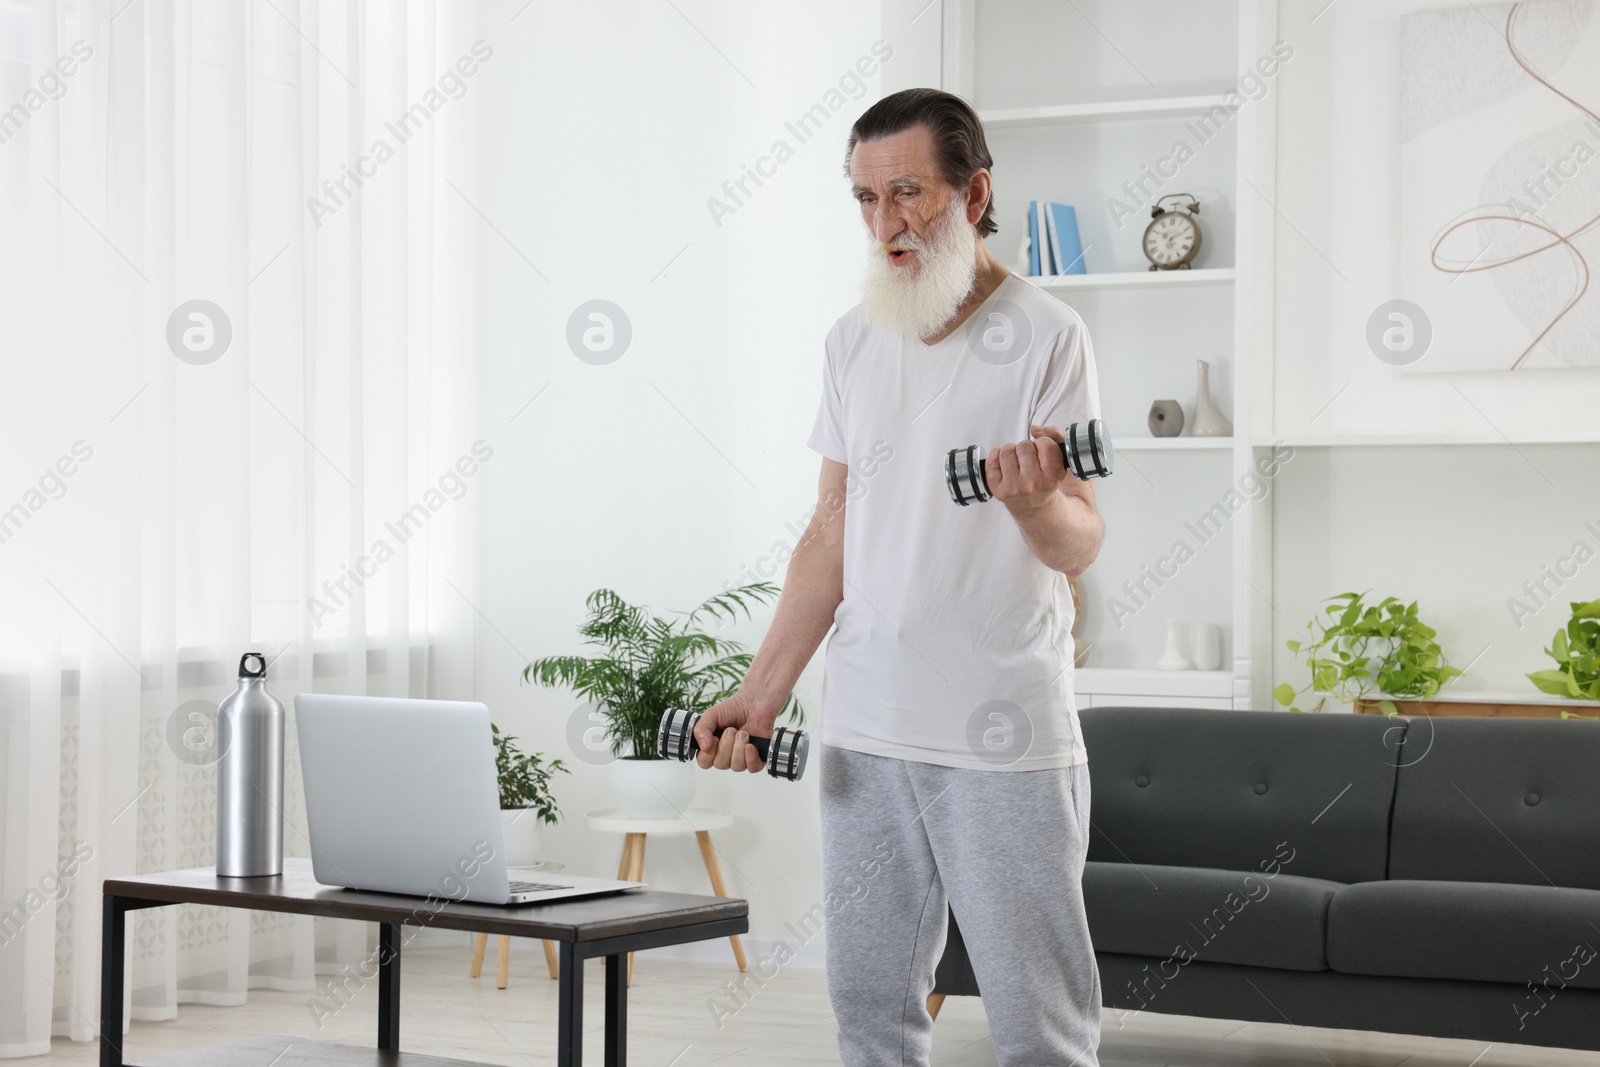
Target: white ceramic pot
1205,646
653,788
1172,657
520,829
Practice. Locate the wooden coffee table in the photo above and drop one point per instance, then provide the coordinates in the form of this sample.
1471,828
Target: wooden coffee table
610,926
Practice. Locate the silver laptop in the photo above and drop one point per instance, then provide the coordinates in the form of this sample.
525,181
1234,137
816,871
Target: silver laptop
401,797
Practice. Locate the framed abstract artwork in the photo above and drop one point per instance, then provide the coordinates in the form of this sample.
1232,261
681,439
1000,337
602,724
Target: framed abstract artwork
1500,184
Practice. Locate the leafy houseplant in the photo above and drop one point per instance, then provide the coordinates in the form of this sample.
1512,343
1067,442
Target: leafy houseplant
524,784
524,778
1576,650
1361,649
649,664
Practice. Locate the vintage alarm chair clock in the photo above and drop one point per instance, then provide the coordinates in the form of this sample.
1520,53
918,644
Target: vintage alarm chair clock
1172,239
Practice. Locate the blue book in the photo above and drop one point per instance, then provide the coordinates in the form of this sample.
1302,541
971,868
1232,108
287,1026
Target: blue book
1033,237
1065,245
1047,264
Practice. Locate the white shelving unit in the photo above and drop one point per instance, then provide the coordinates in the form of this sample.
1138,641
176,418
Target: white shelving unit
1058,114
1133,279
1080,102
1095,123
1392,440
1106,687
1173,444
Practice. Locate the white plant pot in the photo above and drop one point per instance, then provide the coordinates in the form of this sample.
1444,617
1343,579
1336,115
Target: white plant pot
521,831
1205,646
653,788
1172,657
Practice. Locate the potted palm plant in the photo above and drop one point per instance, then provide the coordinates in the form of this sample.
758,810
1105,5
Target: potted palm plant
647,665
525,800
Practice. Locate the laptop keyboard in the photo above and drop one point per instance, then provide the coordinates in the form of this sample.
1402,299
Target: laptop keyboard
536,887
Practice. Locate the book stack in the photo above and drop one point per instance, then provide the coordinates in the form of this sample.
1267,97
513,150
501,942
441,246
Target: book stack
1053,243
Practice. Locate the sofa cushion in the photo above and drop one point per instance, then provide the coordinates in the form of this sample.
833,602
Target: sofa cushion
1496,800
1483,931
1193,787
1218,916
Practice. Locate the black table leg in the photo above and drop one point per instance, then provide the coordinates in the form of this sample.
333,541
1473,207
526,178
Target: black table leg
617,1010
389,986
113,952
569,1010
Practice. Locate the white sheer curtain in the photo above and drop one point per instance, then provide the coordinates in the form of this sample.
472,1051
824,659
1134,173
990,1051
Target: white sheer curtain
306,167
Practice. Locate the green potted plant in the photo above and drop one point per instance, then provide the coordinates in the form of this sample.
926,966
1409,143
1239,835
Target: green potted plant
647,665
525,799
1576,650
1361,651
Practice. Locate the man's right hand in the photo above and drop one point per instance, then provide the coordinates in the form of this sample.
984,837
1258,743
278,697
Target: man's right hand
732,751
812,590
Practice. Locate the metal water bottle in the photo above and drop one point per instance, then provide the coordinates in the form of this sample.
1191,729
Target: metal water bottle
250,776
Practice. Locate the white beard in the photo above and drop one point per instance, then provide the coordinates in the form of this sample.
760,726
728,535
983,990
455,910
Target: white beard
917,305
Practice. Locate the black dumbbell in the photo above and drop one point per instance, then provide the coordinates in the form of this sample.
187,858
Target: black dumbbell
1086,453
784,753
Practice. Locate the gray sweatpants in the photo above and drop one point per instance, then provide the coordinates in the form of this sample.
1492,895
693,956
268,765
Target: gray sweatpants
1006,850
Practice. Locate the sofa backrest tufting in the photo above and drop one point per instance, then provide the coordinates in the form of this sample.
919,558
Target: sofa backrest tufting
1497,800
1198,787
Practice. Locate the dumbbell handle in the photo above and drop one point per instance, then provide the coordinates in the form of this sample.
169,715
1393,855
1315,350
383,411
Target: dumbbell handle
763,744
1086,453
676,740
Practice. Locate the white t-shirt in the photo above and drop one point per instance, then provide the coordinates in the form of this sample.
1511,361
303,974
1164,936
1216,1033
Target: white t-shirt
953,643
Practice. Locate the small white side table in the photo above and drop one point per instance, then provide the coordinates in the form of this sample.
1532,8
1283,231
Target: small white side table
699,821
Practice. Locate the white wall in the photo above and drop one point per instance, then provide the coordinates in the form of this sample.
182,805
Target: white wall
1457,528
664,474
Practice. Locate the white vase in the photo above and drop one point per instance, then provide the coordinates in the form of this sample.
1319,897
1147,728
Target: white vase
653,788
520,831
1172,658
1205,646
1208,420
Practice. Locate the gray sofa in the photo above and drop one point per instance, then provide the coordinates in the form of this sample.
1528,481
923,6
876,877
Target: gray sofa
1433,876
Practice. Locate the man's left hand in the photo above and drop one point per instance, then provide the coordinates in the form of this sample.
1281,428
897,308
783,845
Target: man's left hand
1029,473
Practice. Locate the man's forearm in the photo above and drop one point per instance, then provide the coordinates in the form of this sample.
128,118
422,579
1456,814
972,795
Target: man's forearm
1064,531
813,586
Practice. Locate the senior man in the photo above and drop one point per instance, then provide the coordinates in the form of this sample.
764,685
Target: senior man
953,770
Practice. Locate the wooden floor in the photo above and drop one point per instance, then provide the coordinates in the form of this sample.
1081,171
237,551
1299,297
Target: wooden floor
446,1013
